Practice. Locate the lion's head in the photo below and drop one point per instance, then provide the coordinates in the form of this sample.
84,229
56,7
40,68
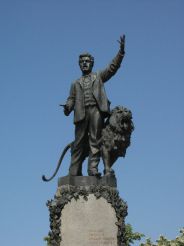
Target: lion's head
121,120
117,132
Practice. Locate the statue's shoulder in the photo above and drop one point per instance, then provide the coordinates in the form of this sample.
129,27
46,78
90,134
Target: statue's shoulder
94,73
79,80
94,76
98,74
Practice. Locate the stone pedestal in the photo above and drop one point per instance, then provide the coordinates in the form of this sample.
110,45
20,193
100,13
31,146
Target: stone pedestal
87,211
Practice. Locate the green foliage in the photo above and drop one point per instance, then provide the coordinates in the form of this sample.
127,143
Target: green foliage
148,243
131,236
163,241
47,239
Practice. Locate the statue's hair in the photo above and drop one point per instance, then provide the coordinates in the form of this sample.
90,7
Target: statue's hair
86,54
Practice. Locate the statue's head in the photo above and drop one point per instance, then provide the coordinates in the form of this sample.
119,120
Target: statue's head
86,62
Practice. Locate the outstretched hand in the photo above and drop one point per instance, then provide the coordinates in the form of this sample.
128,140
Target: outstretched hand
65,109
122,44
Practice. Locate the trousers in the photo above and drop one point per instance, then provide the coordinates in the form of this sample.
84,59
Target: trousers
87,138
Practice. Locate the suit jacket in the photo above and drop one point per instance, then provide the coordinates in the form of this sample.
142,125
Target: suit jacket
75,100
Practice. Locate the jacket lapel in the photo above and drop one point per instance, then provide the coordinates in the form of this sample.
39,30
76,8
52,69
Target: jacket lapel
93,77
80,82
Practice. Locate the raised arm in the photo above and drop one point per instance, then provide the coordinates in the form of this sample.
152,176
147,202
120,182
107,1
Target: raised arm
112,68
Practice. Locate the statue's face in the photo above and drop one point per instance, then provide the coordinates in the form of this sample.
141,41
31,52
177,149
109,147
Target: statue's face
86,65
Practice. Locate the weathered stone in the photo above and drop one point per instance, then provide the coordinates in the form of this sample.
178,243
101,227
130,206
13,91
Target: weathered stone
94,214
90,222
109,180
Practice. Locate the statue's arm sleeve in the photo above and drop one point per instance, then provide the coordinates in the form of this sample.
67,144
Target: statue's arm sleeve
70,103
112,68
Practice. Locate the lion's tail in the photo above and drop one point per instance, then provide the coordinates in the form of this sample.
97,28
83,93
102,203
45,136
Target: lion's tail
58,164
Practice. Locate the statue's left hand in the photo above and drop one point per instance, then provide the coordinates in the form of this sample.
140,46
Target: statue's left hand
122,44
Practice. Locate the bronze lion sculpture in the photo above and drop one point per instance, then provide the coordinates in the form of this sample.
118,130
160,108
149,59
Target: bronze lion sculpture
116,136
115,139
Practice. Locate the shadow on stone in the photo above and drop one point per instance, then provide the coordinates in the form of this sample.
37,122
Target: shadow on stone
109,180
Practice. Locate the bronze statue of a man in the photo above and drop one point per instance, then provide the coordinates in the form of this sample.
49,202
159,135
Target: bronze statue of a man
90,104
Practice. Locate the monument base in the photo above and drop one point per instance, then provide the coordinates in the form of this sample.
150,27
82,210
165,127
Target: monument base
87,214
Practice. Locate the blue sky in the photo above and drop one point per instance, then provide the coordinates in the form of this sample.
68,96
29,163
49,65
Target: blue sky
40,43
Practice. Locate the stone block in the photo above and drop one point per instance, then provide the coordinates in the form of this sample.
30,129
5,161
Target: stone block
109,180
92,215
89,222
